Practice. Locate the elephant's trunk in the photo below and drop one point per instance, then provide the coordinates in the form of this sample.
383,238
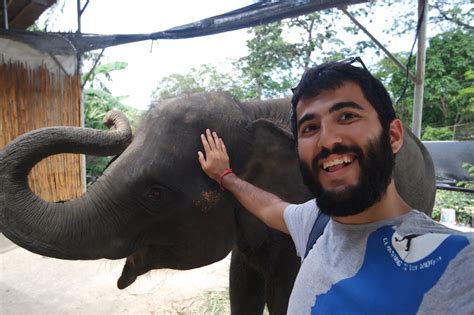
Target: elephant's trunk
77,229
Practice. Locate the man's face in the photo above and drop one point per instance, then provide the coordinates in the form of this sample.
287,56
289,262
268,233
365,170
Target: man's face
346,158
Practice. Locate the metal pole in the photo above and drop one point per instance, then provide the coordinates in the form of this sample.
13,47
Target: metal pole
376,42
420,69
81,101
5,13
79,16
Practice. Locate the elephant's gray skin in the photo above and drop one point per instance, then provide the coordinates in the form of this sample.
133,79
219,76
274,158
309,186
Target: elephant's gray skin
155,206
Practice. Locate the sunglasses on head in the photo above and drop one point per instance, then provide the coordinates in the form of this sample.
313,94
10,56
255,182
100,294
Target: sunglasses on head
351,60
346,61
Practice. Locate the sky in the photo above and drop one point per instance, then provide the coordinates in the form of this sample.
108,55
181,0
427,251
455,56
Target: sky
149,62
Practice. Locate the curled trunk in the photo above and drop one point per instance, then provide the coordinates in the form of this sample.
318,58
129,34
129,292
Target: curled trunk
78,229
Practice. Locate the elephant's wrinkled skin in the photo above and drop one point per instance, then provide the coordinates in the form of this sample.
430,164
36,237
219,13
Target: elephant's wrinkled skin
156,207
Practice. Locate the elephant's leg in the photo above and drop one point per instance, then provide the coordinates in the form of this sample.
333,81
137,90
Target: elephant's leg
277,294
279,283
246,287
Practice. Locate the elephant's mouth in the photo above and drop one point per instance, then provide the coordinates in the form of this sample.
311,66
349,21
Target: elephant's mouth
135,265
146,258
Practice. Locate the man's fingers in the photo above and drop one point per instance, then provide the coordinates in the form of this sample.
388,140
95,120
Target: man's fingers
201,157
223,146
205,144
210,139
216,140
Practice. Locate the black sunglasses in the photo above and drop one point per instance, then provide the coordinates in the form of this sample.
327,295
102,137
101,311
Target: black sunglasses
346,61
351,60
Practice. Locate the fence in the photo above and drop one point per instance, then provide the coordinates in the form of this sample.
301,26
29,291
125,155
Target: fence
36,98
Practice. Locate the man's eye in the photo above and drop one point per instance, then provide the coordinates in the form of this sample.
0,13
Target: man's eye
347,116
309,128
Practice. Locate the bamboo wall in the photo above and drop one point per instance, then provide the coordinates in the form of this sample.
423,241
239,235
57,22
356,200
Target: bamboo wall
36,98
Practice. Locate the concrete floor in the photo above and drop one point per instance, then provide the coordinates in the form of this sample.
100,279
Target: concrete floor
33,284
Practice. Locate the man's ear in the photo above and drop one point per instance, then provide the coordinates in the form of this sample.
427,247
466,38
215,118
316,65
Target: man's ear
273,164
396,135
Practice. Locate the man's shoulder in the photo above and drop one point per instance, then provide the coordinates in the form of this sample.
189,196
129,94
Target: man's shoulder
418,222
307,204
299,219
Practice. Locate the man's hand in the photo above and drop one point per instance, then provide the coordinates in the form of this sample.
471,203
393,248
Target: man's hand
264,205
216,160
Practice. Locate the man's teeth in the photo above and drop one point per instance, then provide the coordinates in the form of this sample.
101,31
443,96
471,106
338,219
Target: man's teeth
328,164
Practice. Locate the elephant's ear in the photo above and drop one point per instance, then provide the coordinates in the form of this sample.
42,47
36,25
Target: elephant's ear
414,174
273,165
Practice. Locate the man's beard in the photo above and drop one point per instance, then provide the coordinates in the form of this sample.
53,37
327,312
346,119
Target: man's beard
376,167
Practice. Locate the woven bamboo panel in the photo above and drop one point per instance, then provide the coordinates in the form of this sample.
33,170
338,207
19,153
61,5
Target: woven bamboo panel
36,98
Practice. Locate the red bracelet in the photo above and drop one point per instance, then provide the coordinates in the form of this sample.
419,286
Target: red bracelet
226,172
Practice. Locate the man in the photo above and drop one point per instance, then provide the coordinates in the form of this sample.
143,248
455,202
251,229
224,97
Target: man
377,255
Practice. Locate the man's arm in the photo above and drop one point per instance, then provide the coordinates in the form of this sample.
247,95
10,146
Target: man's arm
264,205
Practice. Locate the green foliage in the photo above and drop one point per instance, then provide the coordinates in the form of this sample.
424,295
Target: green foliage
462,203
93,77
205,78
394,80
95,165
439,134
468,91
272,65
314,32
448,56
266,70
98,100
468,183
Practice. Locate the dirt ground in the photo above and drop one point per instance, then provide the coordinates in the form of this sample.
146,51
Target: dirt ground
33,284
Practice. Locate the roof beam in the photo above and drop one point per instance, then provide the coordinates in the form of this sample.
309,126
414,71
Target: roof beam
400,65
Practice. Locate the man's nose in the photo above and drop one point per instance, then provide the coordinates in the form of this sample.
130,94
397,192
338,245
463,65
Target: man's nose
329,135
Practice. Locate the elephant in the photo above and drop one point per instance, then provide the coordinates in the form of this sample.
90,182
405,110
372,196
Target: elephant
156,207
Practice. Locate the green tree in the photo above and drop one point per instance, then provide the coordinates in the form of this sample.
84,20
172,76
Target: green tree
447,101
266,70
469,89
315,32
394,80
448,56
204,78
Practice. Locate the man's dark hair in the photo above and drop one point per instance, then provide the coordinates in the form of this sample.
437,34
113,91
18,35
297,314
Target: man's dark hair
331,76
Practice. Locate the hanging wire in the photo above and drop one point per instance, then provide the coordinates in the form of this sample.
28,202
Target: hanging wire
418,26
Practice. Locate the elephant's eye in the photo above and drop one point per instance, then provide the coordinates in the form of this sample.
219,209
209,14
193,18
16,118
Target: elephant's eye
155,192
157,196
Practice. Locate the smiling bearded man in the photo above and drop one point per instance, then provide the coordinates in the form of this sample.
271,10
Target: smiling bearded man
376,166
377,255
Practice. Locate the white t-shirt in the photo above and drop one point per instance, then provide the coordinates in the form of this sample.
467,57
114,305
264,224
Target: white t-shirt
408,265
